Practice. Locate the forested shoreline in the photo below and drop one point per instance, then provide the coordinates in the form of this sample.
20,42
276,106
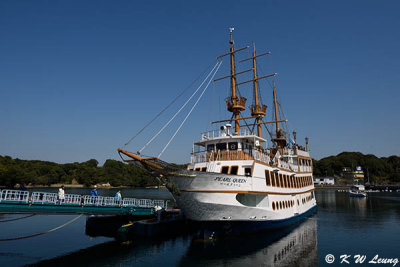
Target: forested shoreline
117,173
36,172
381,170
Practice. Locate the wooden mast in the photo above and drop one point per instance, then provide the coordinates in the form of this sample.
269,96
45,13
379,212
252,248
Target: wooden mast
279,139
235,104
257,110
276,109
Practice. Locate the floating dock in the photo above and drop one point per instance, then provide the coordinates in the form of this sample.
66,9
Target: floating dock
16,201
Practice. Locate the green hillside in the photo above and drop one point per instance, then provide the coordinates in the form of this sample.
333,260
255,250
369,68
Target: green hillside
38,172
381,170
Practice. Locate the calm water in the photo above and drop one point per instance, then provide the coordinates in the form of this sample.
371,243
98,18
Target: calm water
342,225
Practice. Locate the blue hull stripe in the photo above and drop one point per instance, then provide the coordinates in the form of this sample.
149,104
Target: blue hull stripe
234,227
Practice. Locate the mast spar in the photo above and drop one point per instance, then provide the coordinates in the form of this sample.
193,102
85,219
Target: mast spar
279,139
257,110
234,104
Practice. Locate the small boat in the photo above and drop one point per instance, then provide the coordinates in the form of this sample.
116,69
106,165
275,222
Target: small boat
357,191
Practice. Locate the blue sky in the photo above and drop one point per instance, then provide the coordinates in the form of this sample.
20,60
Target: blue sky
80,78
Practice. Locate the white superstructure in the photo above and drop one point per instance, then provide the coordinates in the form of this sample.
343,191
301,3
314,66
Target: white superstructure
235,179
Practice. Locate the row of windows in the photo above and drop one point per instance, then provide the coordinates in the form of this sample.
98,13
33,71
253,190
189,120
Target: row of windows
204,169
306,199
223,146
288,181
234,170
305,162
278,205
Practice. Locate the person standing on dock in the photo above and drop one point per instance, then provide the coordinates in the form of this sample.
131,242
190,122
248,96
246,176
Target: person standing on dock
118,195
94,193
118,198
61,194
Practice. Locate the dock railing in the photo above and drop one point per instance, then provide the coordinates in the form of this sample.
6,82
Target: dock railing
14,196
46,198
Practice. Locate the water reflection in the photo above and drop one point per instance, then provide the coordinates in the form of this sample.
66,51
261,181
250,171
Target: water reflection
294,246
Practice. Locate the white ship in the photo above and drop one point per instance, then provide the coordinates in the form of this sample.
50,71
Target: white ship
234,179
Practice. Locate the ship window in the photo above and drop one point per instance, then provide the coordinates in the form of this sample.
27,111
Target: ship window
210,148
221,146
273,178
251,200
247,171
204,169
273,205
278,182
281,180
233,145
197,169
267,178
234,170
312,194
225,169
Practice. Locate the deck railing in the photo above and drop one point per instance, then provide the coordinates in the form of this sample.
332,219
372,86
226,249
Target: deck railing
229,155
46,198
223,133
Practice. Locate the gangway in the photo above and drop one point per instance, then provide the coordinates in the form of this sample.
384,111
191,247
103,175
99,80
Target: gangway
17,201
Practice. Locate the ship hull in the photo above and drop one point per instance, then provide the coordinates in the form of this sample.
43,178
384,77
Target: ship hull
217,201
239,227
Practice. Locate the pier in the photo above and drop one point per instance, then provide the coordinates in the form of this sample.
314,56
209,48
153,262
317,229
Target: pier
16,201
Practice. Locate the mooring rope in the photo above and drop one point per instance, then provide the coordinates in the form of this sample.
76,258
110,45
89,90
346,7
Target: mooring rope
42,233
16,219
